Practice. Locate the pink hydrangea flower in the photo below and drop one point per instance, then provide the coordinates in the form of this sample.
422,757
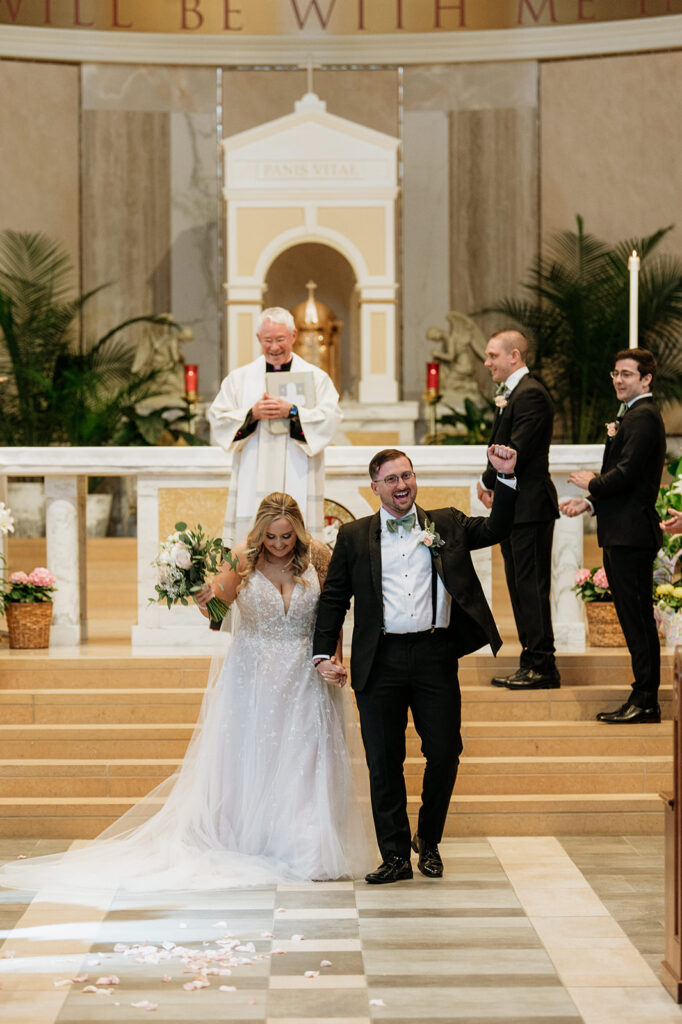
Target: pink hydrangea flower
582,576
41,577
600,579
18,577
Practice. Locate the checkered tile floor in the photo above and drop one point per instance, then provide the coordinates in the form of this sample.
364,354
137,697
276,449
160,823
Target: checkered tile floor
514,934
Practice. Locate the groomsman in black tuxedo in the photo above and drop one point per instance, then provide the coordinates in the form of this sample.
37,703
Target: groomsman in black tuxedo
524,421
419,606
623,496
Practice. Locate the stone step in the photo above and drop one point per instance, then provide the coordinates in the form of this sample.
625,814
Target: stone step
558,814
132,778
481,739
575,814
148,705
33,670
560,739
123,670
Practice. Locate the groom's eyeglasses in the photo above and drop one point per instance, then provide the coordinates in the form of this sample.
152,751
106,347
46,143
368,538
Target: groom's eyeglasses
393,479
625,374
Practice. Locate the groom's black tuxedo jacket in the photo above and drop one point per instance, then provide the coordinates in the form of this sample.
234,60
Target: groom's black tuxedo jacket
355,571
525,424
624,493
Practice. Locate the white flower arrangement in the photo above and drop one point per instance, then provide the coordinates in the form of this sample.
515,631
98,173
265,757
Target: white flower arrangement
6,519
183,561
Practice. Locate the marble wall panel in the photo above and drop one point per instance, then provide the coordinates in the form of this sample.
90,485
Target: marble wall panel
126,213
611,145
151,200
493,206
426,239
39,128
470,199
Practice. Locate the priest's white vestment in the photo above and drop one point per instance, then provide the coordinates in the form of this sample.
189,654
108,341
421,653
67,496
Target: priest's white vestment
263,461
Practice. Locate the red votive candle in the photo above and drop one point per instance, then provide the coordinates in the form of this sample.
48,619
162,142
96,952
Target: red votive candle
191,380
432,374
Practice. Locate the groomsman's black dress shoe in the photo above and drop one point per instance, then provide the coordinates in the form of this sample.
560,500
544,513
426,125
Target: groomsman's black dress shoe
429,862
630,713
503,680
530,679
393,869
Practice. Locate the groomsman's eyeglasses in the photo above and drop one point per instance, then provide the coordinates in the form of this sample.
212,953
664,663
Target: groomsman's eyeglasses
393,479
625,374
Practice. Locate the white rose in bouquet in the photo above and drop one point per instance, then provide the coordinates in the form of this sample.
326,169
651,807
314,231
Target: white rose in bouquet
181,556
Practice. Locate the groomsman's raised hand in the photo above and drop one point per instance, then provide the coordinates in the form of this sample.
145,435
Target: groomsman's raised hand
502,458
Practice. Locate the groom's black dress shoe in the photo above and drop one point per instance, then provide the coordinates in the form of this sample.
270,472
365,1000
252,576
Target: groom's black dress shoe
393,869
530,679
630,713
429,862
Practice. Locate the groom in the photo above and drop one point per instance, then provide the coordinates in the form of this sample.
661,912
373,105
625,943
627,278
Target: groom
419,607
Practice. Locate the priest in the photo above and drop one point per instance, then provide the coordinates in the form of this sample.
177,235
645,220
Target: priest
277,428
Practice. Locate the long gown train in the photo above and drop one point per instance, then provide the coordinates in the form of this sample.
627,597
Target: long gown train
266,791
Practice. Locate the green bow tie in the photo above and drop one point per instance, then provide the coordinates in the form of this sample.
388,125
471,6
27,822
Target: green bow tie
407,522
502,389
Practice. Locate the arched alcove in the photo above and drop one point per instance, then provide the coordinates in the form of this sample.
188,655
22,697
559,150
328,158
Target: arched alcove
285,283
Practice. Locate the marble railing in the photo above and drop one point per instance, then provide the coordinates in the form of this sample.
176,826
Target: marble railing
172,482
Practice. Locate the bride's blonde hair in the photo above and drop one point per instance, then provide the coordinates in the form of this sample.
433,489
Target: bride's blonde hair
277,506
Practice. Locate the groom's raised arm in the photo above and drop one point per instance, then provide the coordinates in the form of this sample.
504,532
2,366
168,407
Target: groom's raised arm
334,600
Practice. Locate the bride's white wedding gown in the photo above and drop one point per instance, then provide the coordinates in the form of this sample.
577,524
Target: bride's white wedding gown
266,790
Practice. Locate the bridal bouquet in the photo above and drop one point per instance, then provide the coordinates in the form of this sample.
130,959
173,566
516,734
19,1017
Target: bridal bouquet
183,562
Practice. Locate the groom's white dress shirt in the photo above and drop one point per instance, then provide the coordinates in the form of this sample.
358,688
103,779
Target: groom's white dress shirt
406,581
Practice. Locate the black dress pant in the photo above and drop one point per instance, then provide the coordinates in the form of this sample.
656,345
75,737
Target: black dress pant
630,575
527,554
416,671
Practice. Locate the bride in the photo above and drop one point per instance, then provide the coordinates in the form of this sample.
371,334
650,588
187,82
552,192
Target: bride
266,791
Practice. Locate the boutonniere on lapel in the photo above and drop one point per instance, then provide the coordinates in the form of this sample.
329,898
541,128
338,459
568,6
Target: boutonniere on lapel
611,429
501,401
430,538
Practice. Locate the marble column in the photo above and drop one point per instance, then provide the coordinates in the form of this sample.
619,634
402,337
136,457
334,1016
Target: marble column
567,609
61,497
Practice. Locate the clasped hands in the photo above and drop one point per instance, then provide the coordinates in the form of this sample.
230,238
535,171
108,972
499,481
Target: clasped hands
269,408
576,506
502,459
332,671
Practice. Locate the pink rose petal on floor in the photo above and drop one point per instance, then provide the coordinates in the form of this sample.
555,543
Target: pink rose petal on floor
145,1004
325,963
311,974
377,1002
62,983
267,935
297,938
166,977
111,979
227,988
79,978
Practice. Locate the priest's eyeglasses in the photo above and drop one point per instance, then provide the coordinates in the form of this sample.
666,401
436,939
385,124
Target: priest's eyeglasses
625,374
393,479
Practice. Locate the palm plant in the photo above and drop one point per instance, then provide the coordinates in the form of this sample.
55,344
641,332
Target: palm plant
61,388
578,314
470,426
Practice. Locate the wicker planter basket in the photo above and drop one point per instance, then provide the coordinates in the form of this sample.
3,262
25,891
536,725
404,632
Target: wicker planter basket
603,627
28,624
